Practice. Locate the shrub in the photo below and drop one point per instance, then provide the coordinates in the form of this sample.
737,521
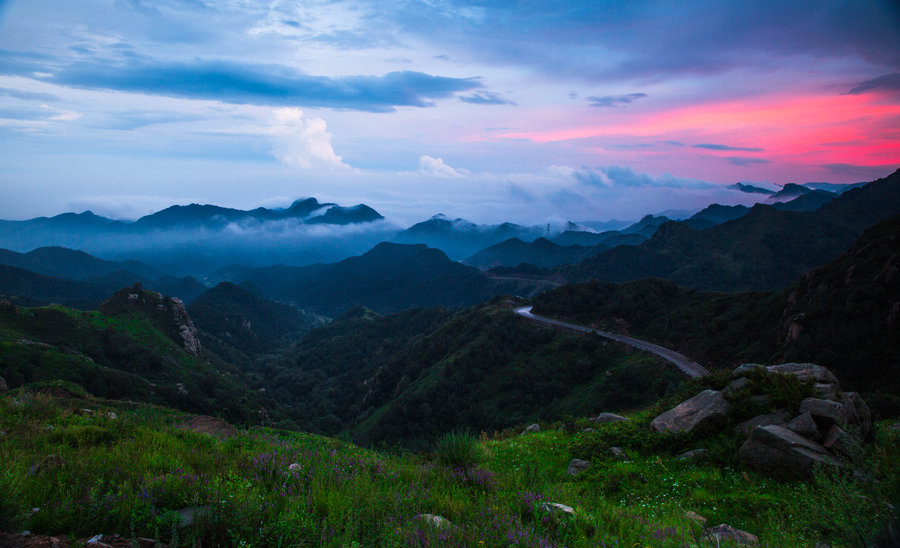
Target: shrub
459,448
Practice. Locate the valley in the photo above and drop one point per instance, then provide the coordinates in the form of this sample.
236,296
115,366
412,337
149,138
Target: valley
378,366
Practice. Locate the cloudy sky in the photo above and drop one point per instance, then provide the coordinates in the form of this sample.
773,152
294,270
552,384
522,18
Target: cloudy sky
492,111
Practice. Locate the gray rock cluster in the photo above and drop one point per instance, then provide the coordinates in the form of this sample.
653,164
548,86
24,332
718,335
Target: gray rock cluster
827,429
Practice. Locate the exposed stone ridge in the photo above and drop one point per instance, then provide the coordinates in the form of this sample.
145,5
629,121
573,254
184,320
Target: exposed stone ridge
793,440
169,313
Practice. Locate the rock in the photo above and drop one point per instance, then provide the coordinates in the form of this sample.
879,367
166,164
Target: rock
695,517
827,391
3,386
112,415
779,418
840,442
557,507
735,385
745,369
760,400
618,453
779,451
693,454
824,412
725,532
531,429
438,522
576,466
609,417
703,409
588,429
856,417
851,413
804,425
805,372
179,387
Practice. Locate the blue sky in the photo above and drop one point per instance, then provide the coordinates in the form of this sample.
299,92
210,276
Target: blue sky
493,111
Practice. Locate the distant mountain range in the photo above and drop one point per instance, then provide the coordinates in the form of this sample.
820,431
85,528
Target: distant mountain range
844,315
763,249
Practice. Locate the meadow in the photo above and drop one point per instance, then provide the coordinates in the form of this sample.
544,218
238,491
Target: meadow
75,466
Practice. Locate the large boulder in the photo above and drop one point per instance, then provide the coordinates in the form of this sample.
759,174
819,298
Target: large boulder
782,452
705,408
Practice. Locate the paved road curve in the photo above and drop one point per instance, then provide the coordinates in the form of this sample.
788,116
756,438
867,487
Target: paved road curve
693,369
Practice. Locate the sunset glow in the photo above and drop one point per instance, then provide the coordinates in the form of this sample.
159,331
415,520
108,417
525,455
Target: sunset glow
415,108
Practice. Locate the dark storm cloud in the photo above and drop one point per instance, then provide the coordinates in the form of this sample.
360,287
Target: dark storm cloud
615,100
482,97
261,84
712,146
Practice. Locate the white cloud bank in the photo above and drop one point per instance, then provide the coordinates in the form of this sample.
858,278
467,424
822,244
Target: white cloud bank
301,141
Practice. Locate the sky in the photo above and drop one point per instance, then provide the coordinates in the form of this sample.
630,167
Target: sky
492,111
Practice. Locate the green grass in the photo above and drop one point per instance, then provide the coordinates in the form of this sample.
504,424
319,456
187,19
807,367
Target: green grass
138,473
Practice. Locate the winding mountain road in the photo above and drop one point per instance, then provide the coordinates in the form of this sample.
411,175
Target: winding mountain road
692,369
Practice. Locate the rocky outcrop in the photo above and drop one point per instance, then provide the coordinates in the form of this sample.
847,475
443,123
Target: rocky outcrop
531,429
704,409
178,315
784,453
791,440
169,314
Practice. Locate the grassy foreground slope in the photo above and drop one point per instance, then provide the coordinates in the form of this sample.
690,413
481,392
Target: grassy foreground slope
79,467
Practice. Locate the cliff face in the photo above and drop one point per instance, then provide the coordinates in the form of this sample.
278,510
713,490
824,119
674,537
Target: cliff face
168,313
